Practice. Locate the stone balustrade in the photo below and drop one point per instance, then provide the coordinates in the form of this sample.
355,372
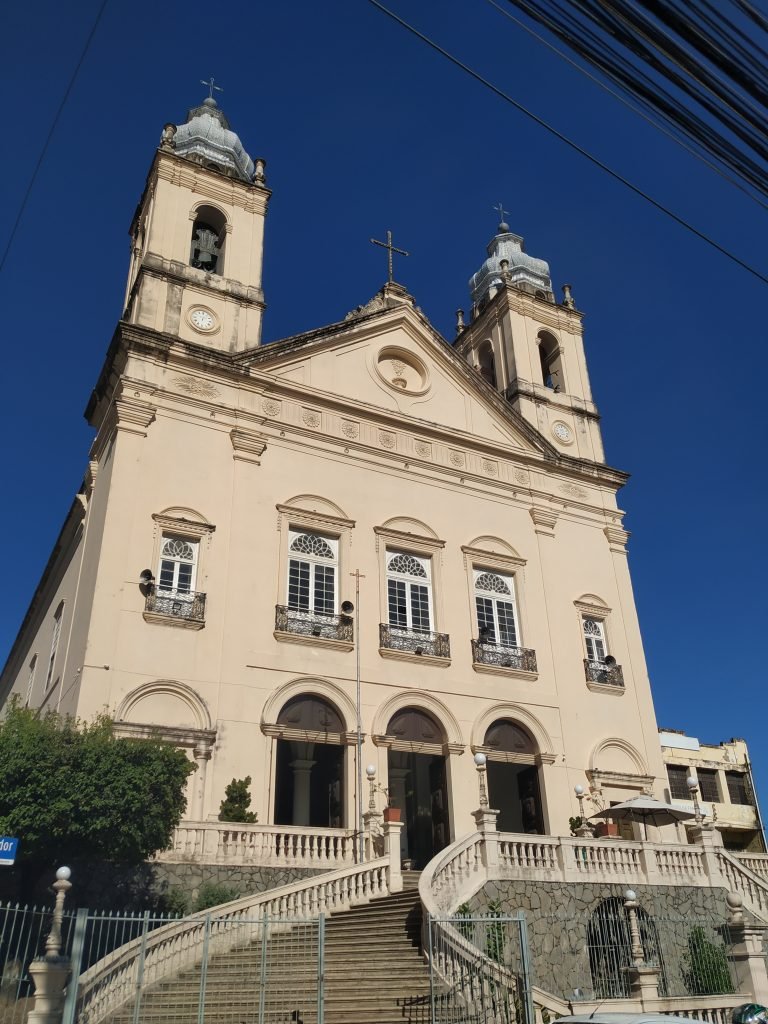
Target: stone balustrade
221,842
111,982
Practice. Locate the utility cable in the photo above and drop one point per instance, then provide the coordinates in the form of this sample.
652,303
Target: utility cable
569,142
628,104
51,130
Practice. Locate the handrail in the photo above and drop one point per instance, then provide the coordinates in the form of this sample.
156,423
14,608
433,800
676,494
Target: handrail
113,980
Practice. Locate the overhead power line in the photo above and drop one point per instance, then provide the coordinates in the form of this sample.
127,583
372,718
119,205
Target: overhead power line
569,142
650,117
51,130
698,67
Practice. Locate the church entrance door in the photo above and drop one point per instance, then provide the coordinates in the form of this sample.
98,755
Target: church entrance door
309,772
418,784
513,778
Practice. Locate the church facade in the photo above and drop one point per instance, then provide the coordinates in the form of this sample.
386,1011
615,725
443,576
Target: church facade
360,553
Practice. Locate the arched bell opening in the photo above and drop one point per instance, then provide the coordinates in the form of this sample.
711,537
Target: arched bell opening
310,764
551,362
418,783
514,785
486,363
207,244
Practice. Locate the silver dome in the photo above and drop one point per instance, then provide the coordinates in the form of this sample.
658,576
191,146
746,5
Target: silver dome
523,270
207,138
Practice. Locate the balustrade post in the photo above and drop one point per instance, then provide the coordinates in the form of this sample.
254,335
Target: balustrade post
746,952
50,973
567,852
392,831
709,839
649,865
485,820
211,841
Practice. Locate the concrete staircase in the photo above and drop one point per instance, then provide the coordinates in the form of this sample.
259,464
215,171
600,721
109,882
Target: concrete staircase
374,974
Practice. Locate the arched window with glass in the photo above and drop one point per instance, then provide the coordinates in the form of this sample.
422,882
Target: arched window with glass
496,608
409,591
178,565
312,572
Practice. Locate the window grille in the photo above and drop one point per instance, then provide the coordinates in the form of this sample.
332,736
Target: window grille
738,788
594,639
495,604
409,591
312,577
708,785
678,785
178,565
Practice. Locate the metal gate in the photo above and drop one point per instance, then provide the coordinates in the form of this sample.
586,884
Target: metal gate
263,970
480,971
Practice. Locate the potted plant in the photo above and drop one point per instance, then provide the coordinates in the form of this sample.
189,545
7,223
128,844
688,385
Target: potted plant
606,828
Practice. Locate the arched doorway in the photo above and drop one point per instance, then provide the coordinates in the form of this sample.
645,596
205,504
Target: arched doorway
309,775
513,777
418,783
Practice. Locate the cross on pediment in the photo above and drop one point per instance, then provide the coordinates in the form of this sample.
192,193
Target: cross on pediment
390,249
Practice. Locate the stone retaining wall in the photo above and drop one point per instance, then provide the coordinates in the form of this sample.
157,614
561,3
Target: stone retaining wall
559,914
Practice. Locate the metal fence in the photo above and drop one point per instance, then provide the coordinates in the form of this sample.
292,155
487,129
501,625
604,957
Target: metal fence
480,969
262,970
23,931
589,956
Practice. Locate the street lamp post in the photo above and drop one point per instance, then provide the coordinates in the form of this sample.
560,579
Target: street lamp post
693,789
480,764
584,829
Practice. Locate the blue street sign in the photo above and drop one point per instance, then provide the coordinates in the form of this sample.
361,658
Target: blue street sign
8,848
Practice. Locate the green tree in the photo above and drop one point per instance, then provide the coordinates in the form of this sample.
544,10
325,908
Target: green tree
237,800
73,791
705,966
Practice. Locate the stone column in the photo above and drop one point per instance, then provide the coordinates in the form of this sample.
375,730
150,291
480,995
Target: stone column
202,754
302,771
746,952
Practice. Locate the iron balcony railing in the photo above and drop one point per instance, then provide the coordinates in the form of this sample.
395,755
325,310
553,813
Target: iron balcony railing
600,672
319,624
176,604
485,652
415,641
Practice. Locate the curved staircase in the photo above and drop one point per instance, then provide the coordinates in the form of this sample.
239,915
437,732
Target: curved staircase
374,974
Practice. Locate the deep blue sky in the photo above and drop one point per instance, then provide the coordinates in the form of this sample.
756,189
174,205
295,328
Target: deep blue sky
364,129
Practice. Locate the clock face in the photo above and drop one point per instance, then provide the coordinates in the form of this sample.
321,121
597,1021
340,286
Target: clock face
562,432
201,319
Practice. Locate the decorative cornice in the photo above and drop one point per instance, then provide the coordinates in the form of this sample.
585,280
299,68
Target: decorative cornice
544,520
307,517
493,558
409,539
502,670
598,777
133,416
247,445
186,736
617,539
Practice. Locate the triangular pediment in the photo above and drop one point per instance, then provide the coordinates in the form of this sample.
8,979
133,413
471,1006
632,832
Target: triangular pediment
395,362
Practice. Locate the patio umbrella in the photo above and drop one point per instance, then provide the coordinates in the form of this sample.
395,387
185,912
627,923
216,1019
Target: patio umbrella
646,810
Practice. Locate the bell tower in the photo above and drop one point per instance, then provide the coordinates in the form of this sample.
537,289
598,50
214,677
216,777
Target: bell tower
197,237
530,348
